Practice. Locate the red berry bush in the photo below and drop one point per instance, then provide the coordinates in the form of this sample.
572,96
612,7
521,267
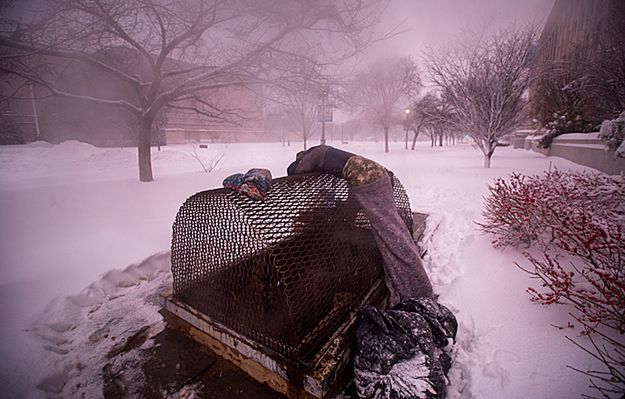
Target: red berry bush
577,220
532,210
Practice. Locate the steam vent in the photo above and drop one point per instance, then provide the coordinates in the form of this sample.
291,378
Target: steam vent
274,285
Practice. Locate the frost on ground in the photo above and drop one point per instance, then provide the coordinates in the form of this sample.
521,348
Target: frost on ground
100,332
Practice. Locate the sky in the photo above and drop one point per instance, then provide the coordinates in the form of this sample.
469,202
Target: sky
425,22
439,23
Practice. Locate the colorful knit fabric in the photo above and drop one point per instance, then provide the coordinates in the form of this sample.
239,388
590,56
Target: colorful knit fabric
261,178
252,191
359,171
234,181
256,183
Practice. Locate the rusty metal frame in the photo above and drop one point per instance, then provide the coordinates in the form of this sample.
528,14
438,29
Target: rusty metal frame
285,272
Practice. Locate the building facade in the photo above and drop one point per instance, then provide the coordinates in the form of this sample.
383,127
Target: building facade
578,69
571,25
29,113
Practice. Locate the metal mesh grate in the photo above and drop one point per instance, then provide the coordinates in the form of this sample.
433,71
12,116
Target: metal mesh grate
284,271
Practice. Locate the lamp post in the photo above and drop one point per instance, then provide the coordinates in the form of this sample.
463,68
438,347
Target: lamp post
324,111
407,112
323,117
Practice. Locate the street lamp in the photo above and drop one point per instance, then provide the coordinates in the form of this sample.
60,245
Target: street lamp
325,115
407,112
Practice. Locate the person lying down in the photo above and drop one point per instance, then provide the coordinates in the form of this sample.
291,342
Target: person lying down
401,352
370,184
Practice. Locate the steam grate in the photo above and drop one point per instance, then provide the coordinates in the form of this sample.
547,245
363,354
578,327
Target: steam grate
283,272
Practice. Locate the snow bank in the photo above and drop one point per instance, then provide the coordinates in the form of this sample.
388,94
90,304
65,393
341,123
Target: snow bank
88,328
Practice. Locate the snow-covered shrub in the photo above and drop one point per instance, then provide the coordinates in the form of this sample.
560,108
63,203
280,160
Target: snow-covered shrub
581,215
532,210
507,211
578,221
563,123
592,278
595,284
613,133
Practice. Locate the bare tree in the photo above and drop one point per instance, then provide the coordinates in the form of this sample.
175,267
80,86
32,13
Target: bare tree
431,114
379,90
607,66
208,165
484,84
298,97
301,112
181,49
420,113
302,115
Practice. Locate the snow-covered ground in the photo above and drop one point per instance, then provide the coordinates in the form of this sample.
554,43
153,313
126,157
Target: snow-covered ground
83,251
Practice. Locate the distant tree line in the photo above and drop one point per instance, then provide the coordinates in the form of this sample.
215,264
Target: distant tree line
478,91
489,84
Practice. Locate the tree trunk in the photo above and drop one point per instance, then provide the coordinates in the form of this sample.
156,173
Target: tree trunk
386,139
440,140
487,160
414,138
489,150
158,136
144,146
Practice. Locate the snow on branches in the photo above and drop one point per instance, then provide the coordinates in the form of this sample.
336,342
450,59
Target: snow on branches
483,81
577,220
613,133
565,213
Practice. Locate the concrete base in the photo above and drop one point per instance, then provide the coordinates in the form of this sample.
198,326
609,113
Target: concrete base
326,375
582,148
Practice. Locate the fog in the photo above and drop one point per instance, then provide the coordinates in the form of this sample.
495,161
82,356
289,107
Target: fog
423,23
204,89
125,82
412,24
